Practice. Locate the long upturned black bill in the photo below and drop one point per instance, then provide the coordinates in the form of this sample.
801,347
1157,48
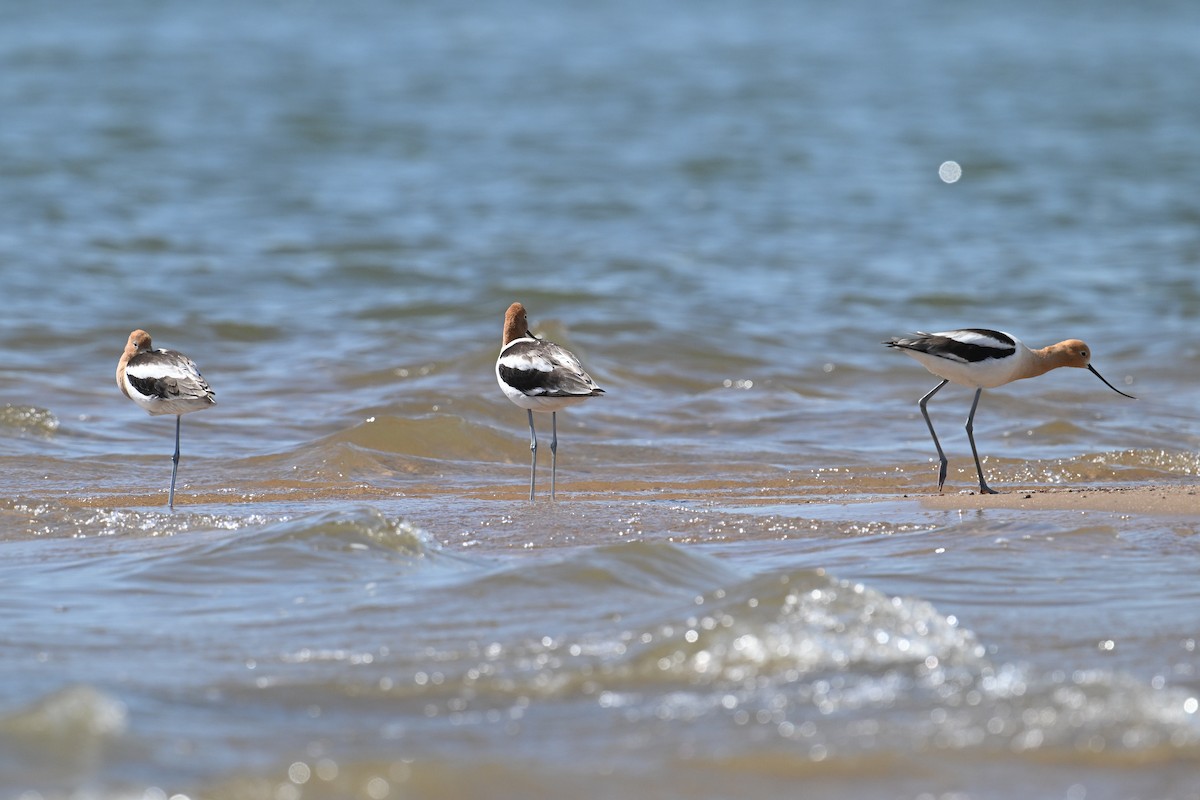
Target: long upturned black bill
1109,385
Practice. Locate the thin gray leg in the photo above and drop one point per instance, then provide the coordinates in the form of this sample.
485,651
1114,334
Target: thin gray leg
983,487
174,464
553,450
533,451
942,462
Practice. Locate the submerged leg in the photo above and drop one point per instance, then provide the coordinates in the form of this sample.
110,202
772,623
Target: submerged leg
553,450
983,487
533,451
942,462
174,465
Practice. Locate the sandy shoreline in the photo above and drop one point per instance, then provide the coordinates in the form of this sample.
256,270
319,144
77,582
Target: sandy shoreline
1152,499
1158,499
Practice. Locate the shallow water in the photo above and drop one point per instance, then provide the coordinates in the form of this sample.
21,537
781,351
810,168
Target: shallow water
723,211
645,647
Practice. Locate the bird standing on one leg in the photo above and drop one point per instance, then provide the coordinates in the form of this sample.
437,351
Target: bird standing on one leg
985,359
539,375
162,382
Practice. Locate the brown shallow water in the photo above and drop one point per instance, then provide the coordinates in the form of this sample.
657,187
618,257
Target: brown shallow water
682,639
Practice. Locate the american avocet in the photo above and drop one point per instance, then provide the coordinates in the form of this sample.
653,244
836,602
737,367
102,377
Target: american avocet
985,359
539,376
162,382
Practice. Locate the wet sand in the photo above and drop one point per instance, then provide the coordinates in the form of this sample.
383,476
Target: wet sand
1158,499
1154,499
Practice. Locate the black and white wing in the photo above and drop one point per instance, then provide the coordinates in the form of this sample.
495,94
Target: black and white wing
169,381
537,368
969,345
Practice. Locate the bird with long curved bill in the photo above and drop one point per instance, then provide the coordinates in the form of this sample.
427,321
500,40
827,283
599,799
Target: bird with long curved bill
162,382
984,359
538,375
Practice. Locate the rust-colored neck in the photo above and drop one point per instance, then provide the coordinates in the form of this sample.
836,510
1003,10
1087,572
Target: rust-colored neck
1070,353
516,324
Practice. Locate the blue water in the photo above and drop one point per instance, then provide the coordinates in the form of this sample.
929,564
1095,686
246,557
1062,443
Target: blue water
724,210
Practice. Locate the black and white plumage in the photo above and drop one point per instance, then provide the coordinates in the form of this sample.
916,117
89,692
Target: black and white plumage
984,359
162,382
538,375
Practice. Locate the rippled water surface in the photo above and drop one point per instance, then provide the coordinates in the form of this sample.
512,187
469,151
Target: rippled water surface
723,210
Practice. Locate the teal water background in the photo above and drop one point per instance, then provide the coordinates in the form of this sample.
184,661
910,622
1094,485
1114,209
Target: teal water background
723,210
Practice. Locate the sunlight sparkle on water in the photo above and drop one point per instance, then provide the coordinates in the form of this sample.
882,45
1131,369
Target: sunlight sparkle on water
950,171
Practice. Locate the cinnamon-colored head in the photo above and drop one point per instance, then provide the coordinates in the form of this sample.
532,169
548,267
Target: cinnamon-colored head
516,323
139,342
1072,353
